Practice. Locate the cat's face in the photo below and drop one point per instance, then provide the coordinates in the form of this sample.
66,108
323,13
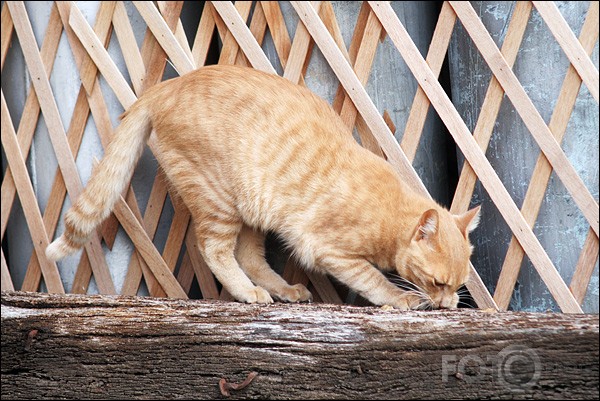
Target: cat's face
437,259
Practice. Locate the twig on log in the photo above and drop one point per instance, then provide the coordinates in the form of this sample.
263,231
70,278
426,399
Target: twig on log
224,386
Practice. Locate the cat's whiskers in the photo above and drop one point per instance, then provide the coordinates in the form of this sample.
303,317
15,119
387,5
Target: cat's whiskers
465,304
409,286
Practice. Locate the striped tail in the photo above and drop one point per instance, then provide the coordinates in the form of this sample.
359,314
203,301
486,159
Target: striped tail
108,181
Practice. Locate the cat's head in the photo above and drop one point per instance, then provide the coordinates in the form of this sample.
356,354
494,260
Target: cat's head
436,261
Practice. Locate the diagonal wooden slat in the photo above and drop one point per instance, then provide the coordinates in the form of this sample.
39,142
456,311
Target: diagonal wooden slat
102,28
31,111
6,283
244,37
206,280
355,43
572,47
57,134
179,32
6,31
130,51
155,60
543,170
435,58
357,93
529,114
146,248
279,33
585,267
362,67
300,50
491,105
165,36
29,201
330,21
101,58
57,194
219,24
204,35
230,48
186,273
258,28
361,54
475,156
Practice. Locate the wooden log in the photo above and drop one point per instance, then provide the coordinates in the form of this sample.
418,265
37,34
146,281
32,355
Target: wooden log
110,347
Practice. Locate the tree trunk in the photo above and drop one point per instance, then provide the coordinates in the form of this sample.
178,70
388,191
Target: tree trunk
86,347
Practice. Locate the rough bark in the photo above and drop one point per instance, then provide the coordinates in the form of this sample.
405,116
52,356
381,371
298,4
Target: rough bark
92,347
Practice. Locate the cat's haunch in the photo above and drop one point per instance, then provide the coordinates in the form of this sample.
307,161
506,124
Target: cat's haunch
250,152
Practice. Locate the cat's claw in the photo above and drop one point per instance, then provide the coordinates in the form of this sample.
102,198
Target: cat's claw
295,293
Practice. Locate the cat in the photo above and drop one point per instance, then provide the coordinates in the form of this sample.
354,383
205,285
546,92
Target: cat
250,152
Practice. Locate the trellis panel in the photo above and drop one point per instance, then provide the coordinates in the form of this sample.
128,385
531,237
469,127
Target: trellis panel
242,38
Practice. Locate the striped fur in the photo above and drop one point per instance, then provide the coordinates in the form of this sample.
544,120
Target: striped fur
250,152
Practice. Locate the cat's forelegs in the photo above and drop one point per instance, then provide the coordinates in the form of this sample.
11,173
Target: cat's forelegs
250,253
369,282
217,245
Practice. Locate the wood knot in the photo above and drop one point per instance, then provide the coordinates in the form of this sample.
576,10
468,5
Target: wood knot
225,387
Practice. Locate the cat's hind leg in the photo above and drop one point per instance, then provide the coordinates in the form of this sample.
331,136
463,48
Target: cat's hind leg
217,238
250,253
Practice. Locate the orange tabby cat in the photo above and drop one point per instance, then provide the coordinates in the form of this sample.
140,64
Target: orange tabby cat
250,152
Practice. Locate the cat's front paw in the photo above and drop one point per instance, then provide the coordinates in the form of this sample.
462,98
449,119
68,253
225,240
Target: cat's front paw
295,293
409,302
256,295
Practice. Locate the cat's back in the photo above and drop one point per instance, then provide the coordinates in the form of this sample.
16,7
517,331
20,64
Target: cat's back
239,115
227,97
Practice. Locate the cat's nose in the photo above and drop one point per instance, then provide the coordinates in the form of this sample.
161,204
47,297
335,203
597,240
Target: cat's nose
447,303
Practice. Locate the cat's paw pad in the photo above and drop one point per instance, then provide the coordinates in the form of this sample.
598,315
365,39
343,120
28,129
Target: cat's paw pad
295,293
257,295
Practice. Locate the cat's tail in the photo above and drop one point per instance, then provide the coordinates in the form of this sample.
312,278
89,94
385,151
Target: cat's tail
107,183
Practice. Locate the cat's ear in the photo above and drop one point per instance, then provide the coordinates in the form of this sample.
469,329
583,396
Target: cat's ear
428,226
468,221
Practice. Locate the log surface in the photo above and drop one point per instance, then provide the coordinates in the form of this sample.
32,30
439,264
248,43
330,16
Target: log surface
101,347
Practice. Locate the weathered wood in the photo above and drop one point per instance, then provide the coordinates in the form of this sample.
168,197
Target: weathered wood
86,347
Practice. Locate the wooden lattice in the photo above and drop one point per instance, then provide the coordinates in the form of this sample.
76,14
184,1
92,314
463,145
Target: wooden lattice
242,39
